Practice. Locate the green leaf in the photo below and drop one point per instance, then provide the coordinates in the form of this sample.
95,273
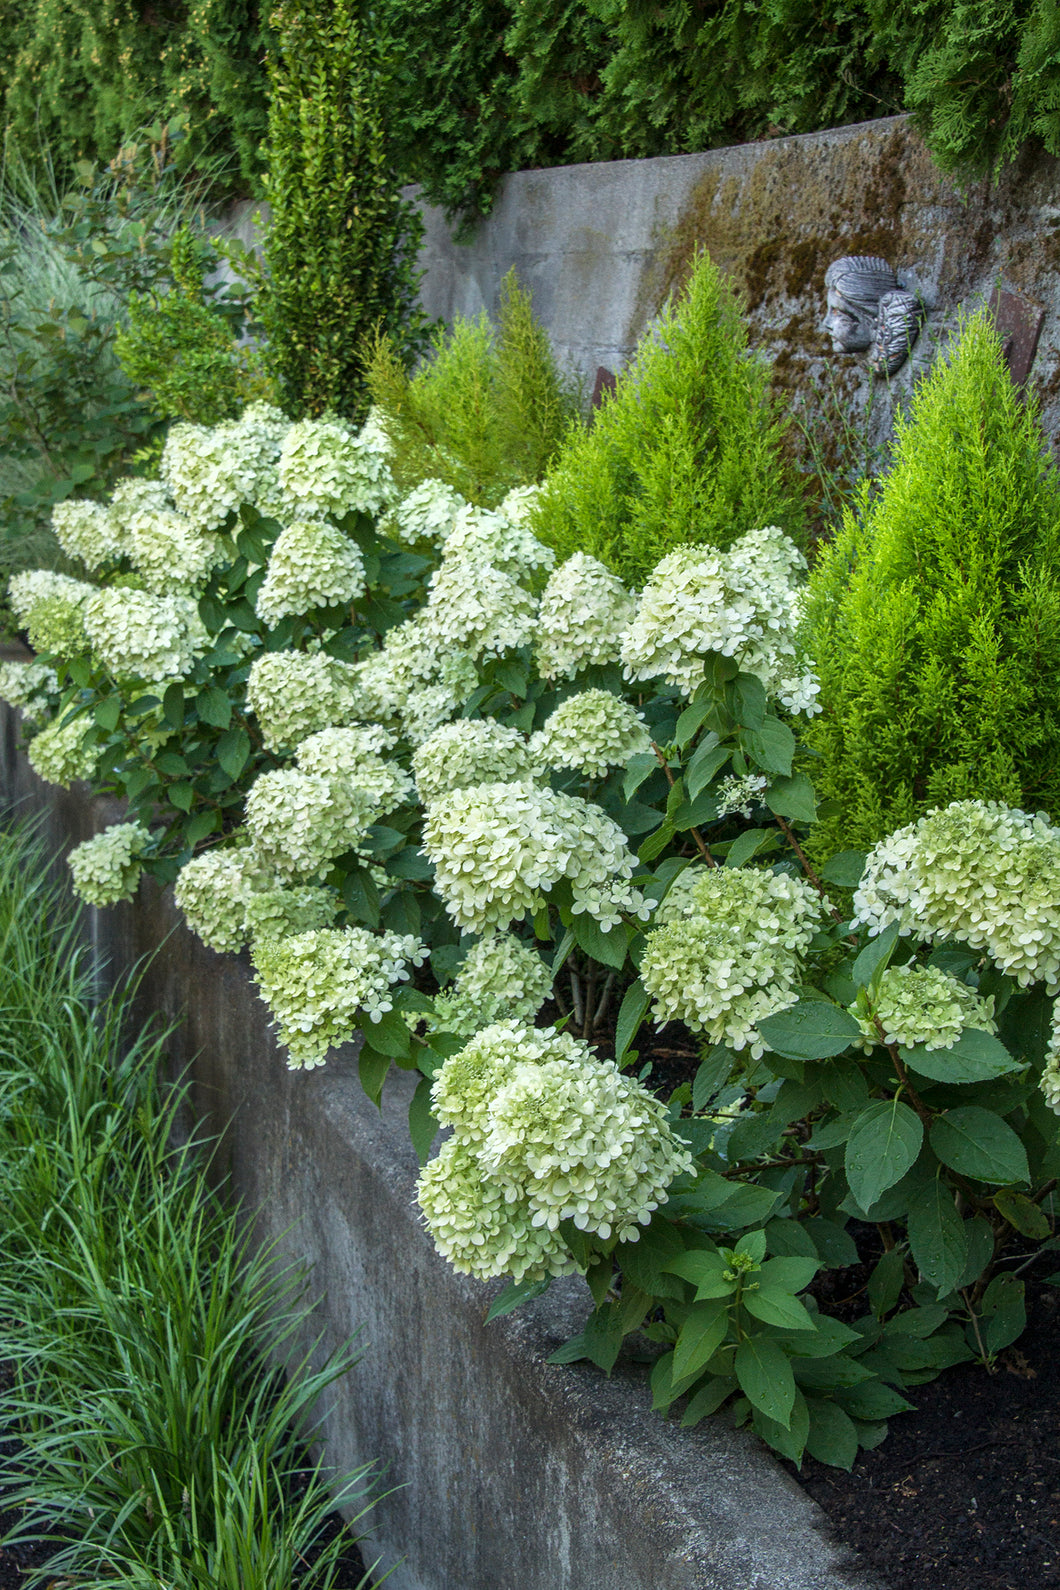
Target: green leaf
631,1013
690,814
657,842
938,1240
980,1144
181,795
708,1400
691,721
872,1400
790,1442
775,1307
423,1124
214,707
713,1074
792,797
789,1239
372,1068
1024,1214
638,768
173,706
389,1035
233,749
975,1057
746,845
705,1328
789,1271
749,701
514,1295
833,1438
844,869
705,1271
765,1376
704,767
845,1085
609,948
108,712
835,1245
772,746
410,863
814,1029
1004,1311
886,1282
870,964
884,1142
205,823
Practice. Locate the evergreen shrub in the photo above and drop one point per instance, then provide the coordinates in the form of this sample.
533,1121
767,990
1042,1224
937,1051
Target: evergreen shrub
935,614
486,411
687,449
341,242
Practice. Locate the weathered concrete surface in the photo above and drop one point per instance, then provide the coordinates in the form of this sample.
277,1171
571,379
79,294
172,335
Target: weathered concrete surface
516,1475
602,245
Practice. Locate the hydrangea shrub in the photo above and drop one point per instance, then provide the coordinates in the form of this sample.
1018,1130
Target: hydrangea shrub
501,819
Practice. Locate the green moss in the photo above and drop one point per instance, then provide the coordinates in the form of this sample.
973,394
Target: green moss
935,616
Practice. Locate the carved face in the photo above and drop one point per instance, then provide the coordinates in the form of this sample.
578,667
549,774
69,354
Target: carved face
855,285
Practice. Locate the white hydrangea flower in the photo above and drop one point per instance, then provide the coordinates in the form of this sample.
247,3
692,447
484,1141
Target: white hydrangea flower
211,471
592,731
560,1133
282,911
726,950
86,531
1050,1078
319,985
134,498
741,794
476,608
28,685
479,536
107,869
168,551
716,981
480,1229
59,755
518,503
471,751
924,1005
57,626
412,683
296,823
501,977
292,695
498,849
741,603
29,589
584,611
985,874
134,633
365,785
326,469
427,514
312,564
213,890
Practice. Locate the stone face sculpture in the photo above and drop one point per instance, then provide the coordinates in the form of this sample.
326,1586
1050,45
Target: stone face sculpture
869,308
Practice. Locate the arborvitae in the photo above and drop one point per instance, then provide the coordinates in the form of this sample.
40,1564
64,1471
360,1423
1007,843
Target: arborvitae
687,449
935,615
340,237
486,412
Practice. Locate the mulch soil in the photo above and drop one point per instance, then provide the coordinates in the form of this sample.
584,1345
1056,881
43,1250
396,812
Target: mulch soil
15,1563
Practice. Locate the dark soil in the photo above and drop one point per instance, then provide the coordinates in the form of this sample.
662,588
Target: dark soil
15,1563
964,1494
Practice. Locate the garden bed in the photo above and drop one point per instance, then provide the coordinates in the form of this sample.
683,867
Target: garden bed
510,1471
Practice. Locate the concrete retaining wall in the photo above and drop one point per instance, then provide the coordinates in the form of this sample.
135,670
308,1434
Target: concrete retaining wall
513,1474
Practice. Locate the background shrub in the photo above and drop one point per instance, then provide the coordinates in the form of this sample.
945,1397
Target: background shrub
935,615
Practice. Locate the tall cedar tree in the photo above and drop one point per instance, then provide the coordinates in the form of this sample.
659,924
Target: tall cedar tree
935,615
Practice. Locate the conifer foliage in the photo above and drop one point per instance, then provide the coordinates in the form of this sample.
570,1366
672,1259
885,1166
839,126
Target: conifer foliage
935,616
340,241
686,450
